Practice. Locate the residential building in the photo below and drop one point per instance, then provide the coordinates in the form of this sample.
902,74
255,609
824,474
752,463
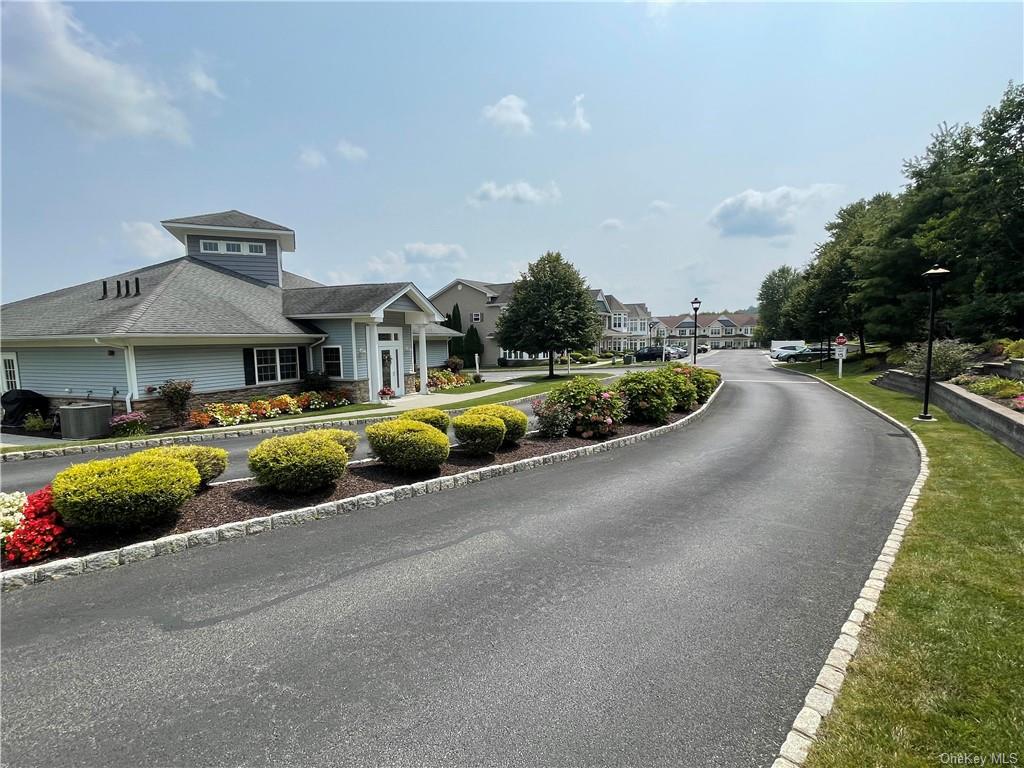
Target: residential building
732,330
479,305
225,315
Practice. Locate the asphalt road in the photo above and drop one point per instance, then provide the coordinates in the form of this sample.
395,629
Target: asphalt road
665,604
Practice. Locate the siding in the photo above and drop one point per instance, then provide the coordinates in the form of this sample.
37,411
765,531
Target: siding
263,268
339,334
209,367
404,302
52,371
437,352
361,351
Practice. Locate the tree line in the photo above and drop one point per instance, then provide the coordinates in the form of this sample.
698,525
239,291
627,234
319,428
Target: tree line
962,208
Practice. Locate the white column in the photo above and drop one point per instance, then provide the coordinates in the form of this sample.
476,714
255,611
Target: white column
423,360
373,361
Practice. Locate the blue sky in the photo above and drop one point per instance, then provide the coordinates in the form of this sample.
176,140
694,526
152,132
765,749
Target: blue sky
667,150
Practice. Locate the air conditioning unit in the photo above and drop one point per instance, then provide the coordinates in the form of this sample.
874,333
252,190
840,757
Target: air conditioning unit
85,421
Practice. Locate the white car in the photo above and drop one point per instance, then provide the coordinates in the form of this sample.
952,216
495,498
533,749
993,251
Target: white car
786,349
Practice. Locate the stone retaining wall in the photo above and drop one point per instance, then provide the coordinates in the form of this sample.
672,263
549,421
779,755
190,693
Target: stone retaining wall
999,423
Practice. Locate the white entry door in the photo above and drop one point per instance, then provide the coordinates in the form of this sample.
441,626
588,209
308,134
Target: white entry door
391,369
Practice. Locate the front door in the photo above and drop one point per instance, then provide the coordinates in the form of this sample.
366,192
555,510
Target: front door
391,373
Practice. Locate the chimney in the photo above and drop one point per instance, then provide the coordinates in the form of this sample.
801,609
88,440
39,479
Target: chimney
136,286
118,289
104,290
127,289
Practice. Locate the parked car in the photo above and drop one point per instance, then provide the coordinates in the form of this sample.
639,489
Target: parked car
785,349
656,353
803,353
702,348
678,352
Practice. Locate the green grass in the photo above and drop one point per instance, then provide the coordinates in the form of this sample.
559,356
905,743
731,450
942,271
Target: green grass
539,385
285,417
940,667
483,385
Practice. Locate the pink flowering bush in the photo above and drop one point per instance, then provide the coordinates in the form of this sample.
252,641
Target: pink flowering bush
596,411
1017,403
129,424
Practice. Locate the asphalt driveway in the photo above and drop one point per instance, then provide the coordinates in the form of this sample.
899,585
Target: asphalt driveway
665,604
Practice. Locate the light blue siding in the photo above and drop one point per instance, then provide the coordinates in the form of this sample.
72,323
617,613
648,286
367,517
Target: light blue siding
339,334
209,367
54,370
263,268
361,350
437,352
404,302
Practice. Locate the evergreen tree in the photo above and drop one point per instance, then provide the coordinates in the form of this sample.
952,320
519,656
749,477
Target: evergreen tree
472,344
456,345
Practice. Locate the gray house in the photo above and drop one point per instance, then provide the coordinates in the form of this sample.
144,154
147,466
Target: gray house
226,315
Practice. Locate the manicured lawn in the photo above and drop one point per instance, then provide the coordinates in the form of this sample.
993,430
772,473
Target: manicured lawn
482,386
539,385
940,669
308,414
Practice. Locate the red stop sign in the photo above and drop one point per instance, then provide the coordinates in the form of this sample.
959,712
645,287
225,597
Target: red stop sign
840,340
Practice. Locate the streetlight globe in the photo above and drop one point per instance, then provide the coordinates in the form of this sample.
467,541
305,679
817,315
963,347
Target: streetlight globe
935,273
695,304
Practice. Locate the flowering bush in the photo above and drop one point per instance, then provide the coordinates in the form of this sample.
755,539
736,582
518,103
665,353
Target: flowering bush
129,424
229,414
648,396
596,411
1018,403
442,378
285,404
39,533
12,507
262,409
386,392
199,419
553,419
175,394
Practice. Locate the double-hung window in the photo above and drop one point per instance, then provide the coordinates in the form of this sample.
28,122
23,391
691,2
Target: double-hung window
332,361
477,317
209,246
277,364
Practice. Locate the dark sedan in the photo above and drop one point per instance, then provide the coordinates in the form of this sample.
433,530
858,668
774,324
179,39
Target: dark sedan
657,353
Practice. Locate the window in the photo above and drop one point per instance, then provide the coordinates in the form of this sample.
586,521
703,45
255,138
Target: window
730,331
277,364
715,331
209,246
10,373
387,337
257,248
332,361
477,317
233,247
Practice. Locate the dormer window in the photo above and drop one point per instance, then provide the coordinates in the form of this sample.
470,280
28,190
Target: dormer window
209,246
232,247
257,248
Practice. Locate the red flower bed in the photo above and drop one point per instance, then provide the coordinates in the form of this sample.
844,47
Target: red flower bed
40,534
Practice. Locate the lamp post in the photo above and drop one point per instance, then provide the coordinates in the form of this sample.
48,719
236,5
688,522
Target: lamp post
821,333
695,304
650,332
932,277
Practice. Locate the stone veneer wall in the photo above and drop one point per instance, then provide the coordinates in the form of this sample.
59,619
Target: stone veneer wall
996,421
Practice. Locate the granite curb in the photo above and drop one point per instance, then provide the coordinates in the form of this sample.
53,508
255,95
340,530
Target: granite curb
166,545
820,698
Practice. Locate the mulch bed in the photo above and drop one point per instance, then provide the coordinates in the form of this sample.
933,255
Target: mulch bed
232,502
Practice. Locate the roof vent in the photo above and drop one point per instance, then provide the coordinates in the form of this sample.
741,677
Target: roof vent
137,291
118,289
104,290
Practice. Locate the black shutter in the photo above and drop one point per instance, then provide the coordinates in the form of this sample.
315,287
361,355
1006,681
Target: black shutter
303,361
249,362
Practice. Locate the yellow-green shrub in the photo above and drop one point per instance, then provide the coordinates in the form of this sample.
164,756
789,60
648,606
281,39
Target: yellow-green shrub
128,492
479,433
436,418
411,446
298,463
343,437
209,462
515,420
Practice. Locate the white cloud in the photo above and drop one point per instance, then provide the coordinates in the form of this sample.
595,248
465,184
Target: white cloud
578,121
51,59
351,152
202,81
417,260
516,192
612,225
150,241
509,114
660,207
312,158
753,213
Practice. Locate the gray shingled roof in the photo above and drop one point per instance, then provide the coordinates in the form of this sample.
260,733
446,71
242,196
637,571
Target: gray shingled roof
337,299
434,329
291,280
182,296
230,218
615,304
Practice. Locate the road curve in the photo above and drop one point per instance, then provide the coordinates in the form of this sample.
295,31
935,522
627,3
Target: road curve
665,604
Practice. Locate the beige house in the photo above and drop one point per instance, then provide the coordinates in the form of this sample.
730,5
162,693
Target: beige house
479,305
732,330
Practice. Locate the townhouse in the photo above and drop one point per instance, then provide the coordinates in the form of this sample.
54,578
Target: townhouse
730,330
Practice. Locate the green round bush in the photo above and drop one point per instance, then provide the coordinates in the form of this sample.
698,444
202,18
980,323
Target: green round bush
515,420
126,493
343,437
479,433
298,463
678,380
648,396
410,446
436,418
209,462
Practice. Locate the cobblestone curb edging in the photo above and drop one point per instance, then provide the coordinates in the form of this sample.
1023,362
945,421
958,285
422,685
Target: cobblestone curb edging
819,700
204,537
203,436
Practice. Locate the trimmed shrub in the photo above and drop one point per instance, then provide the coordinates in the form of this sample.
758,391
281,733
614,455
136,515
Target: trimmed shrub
126,493
872,363
996,386
1014,349
596,411
678,380
477,378
553,419
436,418
515,420
298,463
454,364
479,433
949,358
345,438
175,394
209,462
648,397
410,446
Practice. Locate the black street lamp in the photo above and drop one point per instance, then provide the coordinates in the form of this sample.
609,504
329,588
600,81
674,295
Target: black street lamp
696,306
822,334
650,332
932,277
